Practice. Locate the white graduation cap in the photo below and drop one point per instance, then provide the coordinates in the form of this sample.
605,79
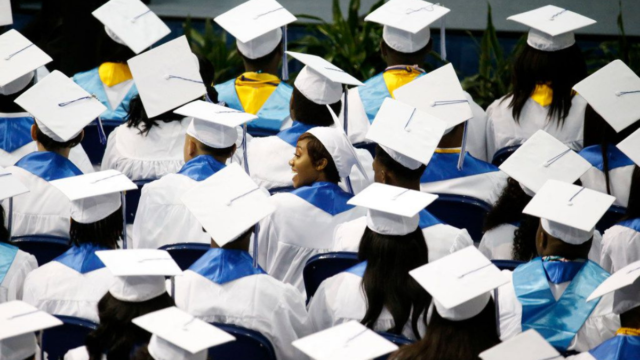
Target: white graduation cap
544,157
6,18
10,185
320,81
132,22
214,125
227,204
18,322
631,146
460,283
626,287
348,341
568,212
551,27
167,76
406,23
614,93
139,274
94,196
60,106
19,58
529,345
178,335
392,210
408,135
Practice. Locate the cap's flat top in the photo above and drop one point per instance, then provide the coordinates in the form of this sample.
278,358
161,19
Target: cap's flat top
618,280
393,199
214,113
17,318
94,184
631,146
10,185
139,262
529,345
552,20
18,55
254,18
325,68
408,15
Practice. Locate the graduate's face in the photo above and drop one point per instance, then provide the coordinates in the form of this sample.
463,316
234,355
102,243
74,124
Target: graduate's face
305,172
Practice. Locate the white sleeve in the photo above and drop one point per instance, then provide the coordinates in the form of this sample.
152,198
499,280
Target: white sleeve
320,315
596,248
289,324
143,219
510,310
476,133
27,264
463,240
490,135
108,159
79,158
599,327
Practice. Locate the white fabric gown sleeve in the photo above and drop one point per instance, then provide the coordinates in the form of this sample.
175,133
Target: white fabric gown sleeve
108,159
25,263
490,133
476,131
321,317
289,322
79,158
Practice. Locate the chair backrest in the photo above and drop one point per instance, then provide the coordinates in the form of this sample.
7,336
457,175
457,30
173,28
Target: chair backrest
283,189
249,344
507,264
72,334
185,254
396,339
610,218
461,211
133,199
370,147
44,247
91,141
503,154
323,266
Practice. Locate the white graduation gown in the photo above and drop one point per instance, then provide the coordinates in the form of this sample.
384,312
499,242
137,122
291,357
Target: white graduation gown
601,325
619,182
295,232
503,130
77,156
441,239
256,302
340,299
11,287
151,156
620,247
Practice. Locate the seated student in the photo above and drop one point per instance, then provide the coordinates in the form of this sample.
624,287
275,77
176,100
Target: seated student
258,90
304,221
20,321
379,292
162,218
45,210
312,92
80,277
216,287
549,293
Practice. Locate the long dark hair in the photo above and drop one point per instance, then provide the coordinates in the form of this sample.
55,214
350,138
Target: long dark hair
105,232
4,232
508,208
310,113
117,335
524,239
454,340
560,69
386,281
317,152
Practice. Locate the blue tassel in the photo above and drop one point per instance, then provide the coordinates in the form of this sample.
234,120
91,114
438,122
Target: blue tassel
346,110
101,134
256,232
285,63
244,149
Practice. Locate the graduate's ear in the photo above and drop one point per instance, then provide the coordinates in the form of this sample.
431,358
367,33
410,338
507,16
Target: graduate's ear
542,240
34,133
321,164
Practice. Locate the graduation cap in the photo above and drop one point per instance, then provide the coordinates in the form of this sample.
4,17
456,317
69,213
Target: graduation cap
408,135
529,345
178,335
460,283
625,286
631,146
551,27
6,17
406,24
392,210
350,340
568,212
614,93
60,106
18,322
10,185
132,22
543,157
167,76
19,58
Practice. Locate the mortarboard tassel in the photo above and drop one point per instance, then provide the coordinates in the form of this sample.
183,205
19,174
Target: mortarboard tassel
244,149
256,232
102,136
285,64
123,199
443,40
463,147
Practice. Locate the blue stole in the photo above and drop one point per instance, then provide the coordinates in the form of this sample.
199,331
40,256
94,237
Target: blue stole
291,135
48,165
7,255
593,154
90,81
621,347
15,132
82,258
272,113
373,93
201,167
557,321
358,269
633,224
326,196
222,265
427,219
444,166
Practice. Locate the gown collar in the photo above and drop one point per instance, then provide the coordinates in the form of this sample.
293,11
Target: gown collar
291,135
48,165
82,258
326,196
222,265
201,167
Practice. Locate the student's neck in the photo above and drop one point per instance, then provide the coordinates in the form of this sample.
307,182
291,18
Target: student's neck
62,152
220,159
573,255
272,70
452,139
400,62
407,184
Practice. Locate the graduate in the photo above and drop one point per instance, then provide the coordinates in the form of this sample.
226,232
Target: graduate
62,110
549,294
260,30
544,72
18,322
317,88
379,292
224,286
304,221
138,289
401,157
151,142
80,277
130,28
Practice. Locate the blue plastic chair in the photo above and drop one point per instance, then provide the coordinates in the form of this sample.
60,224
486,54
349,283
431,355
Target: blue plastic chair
249,344
133,199
610,218
281,190
503,154
323,266
91,141
396,339
461,211
185,254
370,147
58,340
44,247
507,264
